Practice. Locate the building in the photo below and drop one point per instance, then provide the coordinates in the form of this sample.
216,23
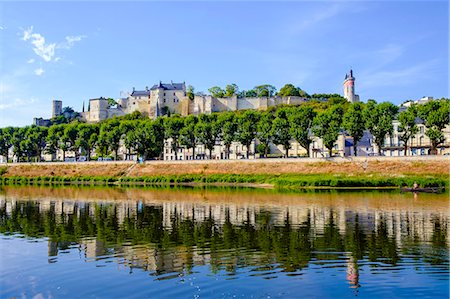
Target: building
349,88
56,108
171,98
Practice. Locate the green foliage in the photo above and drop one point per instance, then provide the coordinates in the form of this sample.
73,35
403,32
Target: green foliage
231,90
188,137
207,131
290,90
379,119
3,170
301,121
227,126
265,90
190,92
111,102
355,123
173,126
327,126
281,129
408,126
265,132
247,128
217,92
435,115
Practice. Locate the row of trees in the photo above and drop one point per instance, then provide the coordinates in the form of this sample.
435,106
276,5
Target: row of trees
145,137
265,90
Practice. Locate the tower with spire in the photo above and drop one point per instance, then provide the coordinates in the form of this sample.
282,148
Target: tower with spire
349,88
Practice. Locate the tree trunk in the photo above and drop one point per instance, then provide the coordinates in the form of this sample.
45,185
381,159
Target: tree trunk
266,150
355,150
193,152
248,151
330,152
228,151
286,151
64,156
210,154
405,149
115,154
88,151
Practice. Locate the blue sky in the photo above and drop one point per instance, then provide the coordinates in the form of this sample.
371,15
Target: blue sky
74,51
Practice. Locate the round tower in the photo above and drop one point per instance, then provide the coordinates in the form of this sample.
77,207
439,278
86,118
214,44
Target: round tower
56,108
349,87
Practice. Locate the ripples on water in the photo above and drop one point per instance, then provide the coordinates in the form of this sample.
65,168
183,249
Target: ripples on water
222,244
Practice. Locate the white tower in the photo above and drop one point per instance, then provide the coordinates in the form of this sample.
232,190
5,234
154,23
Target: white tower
349,88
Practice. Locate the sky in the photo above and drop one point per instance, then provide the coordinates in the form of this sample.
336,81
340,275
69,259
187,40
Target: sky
74,51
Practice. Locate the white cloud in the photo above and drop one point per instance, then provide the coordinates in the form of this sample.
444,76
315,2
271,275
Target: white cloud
18,102
39,71
31,60
45,50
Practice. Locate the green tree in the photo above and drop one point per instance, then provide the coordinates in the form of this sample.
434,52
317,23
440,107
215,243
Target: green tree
173,126
217,92
231,90
70,138
407,126
265,90
327,125
227,125
379,119
190,92
435,115
110,136
265,132
355,123
17,137
188,137
87,138
301,122
6,135
247,128
289,90
157,145
281,132
111,102
35,140
207,131
250,94
128,128
144,138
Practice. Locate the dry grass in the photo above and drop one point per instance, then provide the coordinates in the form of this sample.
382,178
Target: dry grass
67,169
292,166
396,167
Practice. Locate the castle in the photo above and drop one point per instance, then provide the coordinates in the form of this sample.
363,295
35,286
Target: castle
171,98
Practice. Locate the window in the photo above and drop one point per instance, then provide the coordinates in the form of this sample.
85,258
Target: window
164,94
164,100
421,129
173,93
174,100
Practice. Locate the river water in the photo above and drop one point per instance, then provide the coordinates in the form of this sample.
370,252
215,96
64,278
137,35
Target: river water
73,242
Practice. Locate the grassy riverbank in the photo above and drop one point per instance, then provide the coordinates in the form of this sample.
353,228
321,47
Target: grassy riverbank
283,173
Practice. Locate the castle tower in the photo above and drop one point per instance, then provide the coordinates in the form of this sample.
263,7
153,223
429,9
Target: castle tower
56,108
349,88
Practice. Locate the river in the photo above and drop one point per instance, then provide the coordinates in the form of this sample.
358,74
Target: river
108,242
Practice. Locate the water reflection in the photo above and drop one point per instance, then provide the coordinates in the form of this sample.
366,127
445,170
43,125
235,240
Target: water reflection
168,232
